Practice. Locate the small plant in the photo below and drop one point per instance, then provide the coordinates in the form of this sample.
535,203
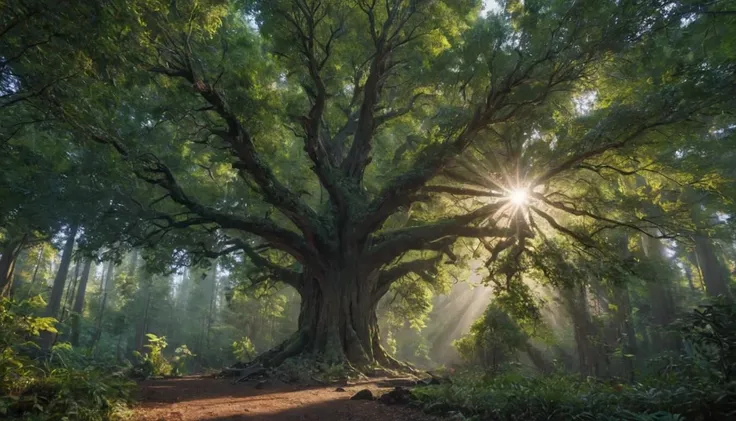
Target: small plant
182,355
493,340
153,363
330,373
698,384
243,350
65,386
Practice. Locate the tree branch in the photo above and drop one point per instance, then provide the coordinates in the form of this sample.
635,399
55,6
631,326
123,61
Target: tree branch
387,246
241,142
388,276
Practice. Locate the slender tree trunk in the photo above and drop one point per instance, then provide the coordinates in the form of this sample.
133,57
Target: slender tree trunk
696,262
661,297
34,277
715,274
70,291
623,317
78,308
589,355
625,327
57,290
107,279
8,261
211,309
140,327
133,264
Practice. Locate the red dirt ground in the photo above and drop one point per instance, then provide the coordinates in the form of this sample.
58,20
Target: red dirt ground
202,398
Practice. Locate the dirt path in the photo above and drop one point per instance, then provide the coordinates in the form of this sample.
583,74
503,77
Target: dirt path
200,398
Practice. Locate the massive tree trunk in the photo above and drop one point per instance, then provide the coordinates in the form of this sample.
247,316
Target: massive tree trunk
78,308
57,290
338,322
7,263
715,274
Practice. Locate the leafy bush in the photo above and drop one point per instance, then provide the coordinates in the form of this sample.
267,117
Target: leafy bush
62,385
243,350
696,385
182,355
153,363
493,340
710,339
296,370
512,397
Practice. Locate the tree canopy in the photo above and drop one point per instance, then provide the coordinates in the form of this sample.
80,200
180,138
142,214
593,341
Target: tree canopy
346,148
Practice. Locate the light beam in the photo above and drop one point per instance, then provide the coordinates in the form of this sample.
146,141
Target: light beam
518,196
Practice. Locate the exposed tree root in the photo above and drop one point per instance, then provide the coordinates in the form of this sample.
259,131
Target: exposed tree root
295,361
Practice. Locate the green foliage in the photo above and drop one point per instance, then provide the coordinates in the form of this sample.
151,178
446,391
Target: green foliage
202,133
563,397
309,370
64,386
182,356
695,385
297,370
243,350
710,339
493,340
153,362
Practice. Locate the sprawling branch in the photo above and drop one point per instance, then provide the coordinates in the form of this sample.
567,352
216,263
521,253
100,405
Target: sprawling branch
393,114
556,225
281,238
497,108
157,173
287,276
580,212
387,246
576,159
303,21
388,276
241,142
460,191
386,40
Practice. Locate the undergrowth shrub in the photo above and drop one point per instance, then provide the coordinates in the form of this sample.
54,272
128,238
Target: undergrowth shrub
243,350
493,340
182,357
60,385
152,363
697,385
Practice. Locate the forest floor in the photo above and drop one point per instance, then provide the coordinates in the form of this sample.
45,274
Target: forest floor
206,398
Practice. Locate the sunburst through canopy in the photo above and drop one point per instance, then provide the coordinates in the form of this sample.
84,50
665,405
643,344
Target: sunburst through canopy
518,196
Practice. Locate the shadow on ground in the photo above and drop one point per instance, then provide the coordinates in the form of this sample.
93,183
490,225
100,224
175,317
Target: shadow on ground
200,398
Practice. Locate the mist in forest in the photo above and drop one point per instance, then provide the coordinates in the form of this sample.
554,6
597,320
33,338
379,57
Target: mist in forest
523,209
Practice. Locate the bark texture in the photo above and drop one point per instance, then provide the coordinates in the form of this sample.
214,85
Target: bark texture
337,323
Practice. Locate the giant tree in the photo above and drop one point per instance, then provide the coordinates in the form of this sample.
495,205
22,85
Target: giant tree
340,146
